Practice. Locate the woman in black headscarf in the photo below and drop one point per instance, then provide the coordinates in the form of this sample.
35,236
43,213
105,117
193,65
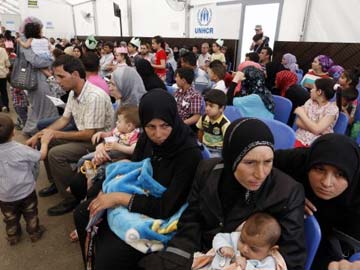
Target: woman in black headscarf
174,155
148,75
329,172
226,192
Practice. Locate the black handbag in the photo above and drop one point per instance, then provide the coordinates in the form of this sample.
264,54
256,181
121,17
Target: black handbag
23,75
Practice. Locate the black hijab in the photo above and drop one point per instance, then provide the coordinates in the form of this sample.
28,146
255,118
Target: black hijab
161,105
341,152
241,136
148,75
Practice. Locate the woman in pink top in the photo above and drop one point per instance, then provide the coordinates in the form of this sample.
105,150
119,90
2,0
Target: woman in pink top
91,64
159,60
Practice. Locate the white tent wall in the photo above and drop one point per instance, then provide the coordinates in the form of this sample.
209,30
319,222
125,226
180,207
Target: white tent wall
108,24
150,18
55,15
328,21
292,20
10,21
84,25
334,21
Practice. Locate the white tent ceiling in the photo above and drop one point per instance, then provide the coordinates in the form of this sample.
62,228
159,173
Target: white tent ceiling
9,6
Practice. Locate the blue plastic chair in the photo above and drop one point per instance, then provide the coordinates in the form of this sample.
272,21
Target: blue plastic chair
355,257
284,136
204,151
283,108
312,239
341,124
232,113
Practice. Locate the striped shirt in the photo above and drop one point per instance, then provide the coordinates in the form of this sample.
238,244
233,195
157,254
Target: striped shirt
92,109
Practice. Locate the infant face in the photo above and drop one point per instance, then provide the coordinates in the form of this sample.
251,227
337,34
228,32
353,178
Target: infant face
252,247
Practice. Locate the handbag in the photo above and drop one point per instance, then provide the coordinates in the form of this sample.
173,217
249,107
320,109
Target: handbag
23,75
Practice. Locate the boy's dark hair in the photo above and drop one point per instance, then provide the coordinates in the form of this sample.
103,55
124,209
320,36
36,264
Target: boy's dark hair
218,69
350,94
6,128
353,75
189,58
57,52
91,62
257,37
32,30
264,226
109,44
217,97
268,50
253,56
70,64
327,86
130,113
186,73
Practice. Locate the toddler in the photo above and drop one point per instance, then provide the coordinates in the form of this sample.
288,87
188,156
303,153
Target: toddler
17,188
121,141
39,45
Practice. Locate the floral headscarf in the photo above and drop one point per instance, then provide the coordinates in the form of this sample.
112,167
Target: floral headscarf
254,83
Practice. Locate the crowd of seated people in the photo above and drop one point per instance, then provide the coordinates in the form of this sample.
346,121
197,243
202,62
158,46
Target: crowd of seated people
146,112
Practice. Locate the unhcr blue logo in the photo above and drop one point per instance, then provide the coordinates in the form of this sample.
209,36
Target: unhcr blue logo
204,16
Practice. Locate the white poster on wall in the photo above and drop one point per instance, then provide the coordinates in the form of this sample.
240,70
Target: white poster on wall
208,21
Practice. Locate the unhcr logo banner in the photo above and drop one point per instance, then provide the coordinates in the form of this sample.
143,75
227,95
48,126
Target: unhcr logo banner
203,21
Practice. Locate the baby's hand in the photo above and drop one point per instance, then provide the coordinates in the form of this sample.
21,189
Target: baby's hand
227,252
241,262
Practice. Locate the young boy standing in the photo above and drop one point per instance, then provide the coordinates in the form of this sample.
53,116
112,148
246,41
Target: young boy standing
17,183
188,100
212,126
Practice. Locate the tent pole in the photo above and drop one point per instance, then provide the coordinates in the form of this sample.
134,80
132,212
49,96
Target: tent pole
305,20
74,22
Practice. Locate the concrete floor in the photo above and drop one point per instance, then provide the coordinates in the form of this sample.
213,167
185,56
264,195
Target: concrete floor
54,250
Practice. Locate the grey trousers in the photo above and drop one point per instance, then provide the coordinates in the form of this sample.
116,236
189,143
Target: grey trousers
58,163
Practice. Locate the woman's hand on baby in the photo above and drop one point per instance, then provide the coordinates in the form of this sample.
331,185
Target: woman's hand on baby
111,146
102,201
100,154
227,252
96,137
309,208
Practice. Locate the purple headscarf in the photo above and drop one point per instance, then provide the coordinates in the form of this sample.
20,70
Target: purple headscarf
290,62
335,72
325,61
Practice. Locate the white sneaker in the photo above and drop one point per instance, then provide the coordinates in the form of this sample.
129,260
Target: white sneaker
4,109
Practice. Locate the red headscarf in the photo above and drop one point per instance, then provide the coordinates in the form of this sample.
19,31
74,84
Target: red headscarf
285,79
